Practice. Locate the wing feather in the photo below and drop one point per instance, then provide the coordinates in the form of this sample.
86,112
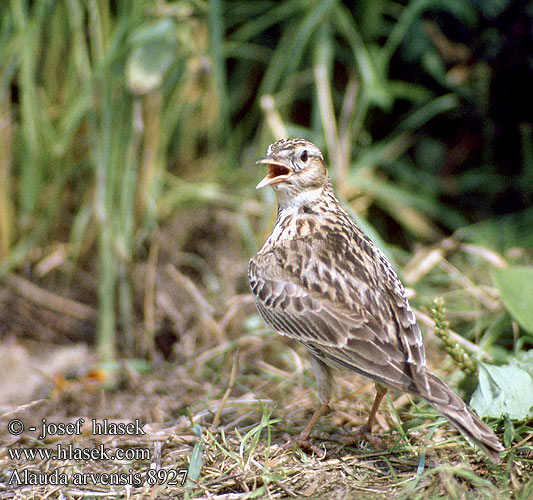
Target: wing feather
334,306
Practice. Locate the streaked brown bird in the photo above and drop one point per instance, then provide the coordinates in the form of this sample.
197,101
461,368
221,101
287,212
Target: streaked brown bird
319,280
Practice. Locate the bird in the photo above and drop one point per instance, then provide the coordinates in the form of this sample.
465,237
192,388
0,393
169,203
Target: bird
321,281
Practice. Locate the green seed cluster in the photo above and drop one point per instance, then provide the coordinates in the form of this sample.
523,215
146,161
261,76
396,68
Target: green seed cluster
461,358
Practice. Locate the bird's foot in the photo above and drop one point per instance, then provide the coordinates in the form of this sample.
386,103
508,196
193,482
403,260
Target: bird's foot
364,433
305,443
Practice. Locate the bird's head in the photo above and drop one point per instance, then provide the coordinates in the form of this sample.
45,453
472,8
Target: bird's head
295,166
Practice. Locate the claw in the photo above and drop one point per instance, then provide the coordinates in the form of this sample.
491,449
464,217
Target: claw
363,433
305,444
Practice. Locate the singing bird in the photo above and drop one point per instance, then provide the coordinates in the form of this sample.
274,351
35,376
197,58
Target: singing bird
320,280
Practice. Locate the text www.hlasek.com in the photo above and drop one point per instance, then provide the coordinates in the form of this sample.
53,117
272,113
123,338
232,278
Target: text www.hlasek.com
70,452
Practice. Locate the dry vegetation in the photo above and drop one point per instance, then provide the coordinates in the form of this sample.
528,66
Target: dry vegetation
229,389
128,135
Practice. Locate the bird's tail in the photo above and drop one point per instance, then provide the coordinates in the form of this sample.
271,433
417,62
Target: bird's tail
445,401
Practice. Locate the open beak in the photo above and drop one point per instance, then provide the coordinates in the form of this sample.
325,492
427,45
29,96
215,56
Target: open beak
277,172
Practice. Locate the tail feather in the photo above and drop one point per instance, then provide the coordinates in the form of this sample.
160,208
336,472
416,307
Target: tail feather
445,401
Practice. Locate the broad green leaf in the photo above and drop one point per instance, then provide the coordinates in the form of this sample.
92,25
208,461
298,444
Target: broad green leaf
525,361
148,65
503,390
154,51
515,285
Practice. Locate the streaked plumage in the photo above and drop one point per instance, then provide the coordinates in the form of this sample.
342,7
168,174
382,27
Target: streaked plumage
319,280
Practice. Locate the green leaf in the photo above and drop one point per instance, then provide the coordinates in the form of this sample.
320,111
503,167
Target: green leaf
148,65
503,390
515,284
524,360
258,492
195,466
154,52
509,432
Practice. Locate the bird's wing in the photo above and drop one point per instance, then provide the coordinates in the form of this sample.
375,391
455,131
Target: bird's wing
341,299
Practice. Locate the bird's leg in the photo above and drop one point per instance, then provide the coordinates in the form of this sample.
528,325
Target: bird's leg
306,431
324,381
365,431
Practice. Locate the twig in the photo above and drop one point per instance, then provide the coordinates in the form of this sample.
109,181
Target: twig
268,105
49,300
20,408
489,255
205,310
348,105
149,299
325,103
231,383
525,440
422,263
476,291
234,304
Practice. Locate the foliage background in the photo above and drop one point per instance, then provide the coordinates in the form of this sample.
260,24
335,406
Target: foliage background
129,132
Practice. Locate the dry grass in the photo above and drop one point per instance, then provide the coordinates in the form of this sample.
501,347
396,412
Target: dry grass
223,421
244,456
127,219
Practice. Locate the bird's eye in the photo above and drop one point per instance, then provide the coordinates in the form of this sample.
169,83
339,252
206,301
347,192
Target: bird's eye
304,156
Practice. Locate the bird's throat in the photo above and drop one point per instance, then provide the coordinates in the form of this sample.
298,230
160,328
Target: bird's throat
289,201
